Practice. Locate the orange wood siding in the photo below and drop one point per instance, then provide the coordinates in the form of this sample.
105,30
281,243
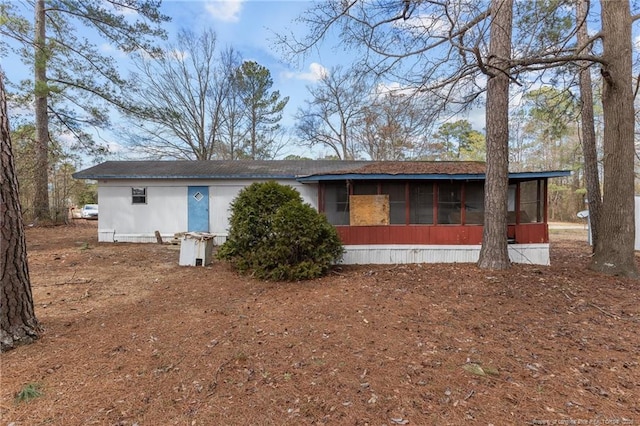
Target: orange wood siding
438,235
528,233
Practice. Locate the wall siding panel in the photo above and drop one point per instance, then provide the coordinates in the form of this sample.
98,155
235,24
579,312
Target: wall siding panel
536,254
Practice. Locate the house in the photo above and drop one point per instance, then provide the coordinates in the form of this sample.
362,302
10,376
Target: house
384,212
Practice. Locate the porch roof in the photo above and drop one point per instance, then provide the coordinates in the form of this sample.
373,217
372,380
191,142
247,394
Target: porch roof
429,176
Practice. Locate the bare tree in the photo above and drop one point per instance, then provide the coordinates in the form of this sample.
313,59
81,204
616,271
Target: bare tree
18,323
337,103
355,118
439,49
178,105
394,125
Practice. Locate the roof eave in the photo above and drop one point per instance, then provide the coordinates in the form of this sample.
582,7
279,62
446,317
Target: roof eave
168,177
428,176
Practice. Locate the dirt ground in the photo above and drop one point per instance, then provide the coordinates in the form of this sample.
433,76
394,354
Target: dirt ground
131,338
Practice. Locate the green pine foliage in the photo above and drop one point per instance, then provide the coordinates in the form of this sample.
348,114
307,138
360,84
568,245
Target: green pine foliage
275,236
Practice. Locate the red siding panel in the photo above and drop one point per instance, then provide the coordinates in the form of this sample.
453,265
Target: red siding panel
413,234
532,233
438,235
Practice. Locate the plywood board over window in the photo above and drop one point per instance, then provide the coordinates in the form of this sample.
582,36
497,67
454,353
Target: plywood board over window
368,210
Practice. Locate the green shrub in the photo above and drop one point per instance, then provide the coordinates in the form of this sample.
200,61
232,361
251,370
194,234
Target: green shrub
275,236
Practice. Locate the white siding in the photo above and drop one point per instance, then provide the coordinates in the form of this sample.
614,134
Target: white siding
166,208
536,254
165,211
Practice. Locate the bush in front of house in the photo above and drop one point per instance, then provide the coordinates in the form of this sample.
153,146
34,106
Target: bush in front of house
274,235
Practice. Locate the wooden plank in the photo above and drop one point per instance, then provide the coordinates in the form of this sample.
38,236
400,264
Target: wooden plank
366,210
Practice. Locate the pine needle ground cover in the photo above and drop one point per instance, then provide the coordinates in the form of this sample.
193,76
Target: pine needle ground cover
133,338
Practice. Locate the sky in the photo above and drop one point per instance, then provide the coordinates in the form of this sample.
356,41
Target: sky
250,27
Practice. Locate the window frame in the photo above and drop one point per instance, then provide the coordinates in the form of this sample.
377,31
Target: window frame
137,199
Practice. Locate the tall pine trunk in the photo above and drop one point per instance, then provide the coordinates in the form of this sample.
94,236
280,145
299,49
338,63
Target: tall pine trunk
614,251
494,253
589,150
41,92
18,323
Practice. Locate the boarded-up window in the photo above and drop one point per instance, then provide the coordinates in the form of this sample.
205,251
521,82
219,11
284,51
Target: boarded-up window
367,210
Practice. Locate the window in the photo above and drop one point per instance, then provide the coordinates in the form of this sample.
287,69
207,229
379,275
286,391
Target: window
530,206
336,203
139,195
412,203
449,202
511,203
474,203
396,192
365,188
421,203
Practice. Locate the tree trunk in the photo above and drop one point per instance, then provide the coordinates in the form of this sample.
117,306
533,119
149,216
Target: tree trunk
41,178
18,323
494,253
589,150
614,252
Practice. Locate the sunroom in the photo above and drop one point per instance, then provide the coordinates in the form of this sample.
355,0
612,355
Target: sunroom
430,212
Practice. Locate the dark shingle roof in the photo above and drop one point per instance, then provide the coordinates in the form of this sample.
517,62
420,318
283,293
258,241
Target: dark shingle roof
302,170
250,169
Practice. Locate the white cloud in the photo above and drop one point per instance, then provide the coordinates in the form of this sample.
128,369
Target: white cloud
422,25
394,88
110,49
120,9
316,72
225,10
178,55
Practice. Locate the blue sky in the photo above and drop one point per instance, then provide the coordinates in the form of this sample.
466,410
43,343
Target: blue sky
249,26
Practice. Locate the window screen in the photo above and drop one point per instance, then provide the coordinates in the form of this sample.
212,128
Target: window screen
449,202
474,203
336,203
397,204
530,210
421,203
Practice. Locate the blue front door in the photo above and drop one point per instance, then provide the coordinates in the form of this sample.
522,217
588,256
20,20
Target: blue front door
198,209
